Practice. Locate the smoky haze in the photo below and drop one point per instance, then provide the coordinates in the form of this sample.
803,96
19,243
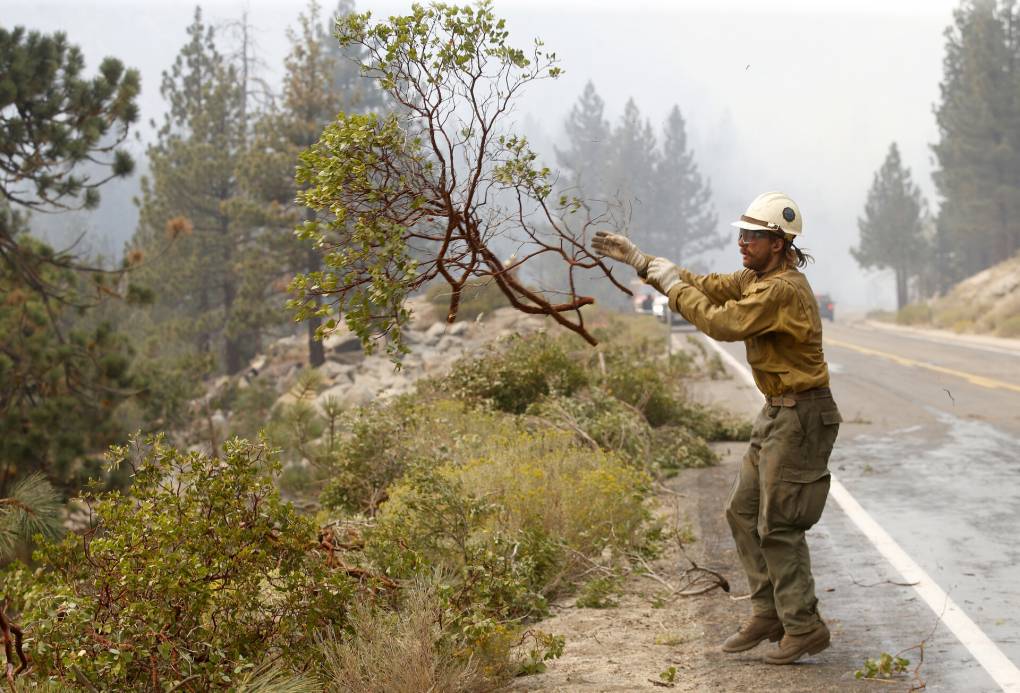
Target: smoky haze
797,99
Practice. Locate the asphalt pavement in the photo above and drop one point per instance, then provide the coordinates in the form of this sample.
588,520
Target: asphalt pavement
919,540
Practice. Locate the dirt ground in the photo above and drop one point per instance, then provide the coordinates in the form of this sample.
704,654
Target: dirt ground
630,646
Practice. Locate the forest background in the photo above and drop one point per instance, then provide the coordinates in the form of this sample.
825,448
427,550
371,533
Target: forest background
158,334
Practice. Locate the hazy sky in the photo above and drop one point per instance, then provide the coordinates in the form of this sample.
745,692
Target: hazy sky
792,95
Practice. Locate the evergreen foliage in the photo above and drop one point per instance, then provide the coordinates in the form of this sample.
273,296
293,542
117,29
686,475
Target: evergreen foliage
31,507
62,374
210,285
586,158
665,202
892,233
54,119
322,77
978,152
682,220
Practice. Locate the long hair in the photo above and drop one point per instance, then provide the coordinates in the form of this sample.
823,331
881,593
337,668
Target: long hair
795,256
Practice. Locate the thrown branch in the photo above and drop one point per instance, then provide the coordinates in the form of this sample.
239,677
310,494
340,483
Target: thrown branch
439,188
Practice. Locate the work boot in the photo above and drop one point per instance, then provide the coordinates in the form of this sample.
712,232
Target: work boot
793,647
754,630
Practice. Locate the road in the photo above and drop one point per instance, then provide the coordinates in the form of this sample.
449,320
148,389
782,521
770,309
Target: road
930,450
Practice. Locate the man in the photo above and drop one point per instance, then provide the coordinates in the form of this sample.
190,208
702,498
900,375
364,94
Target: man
783,481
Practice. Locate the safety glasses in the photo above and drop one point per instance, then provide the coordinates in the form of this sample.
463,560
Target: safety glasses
748,235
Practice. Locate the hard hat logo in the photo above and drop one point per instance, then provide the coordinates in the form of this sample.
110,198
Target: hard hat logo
772,211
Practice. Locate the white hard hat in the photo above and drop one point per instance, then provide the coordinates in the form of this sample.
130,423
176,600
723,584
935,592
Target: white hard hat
772,211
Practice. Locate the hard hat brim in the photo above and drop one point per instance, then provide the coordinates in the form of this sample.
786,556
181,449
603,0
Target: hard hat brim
752,227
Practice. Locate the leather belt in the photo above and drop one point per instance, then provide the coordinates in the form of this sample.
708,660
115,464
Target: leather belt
790,399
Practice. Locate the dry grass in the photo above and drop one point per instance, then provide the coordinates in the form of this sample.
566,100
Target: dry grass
401,651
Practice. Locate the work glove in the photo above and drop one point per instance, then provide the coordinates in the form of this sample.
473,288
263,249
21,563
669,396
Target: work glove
663,274
617,247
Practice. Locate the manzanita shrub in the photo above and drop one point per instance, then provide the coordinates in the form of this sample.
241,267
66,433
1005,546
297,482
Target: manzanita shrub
196,577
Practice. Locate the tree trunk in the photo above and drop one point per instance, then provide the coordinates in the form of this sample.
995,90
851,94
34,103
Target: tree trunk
901,288
316,350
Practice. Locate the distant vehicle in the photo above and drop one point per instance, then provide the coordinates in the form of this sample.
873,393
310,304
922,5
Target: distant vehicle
826,308
661,309
644,297
648,301
643,303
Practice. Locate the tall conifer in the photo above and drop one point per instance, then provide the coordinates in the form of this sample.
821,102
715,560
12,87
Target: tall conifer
891,229
321,79
586,157
192,182
978,151
683,221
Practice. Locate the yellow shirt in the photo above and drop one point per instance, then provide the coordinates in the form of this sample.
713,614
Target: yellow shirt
775,314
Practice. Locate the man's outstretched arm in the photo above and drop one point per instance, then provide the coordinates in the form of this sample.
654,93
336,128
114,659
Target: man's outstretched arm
734,320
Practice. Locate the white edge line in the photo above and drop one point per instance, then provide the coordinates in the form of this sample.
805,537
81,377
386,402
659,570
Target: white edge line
999,666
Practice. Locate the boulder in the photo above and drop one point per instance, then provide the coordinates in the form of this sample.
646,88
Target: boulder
434,333
333,372
450,346
341,342
363,391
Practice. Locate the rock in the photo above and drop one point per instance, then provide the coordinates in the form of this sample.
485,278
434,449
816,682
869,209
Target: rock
333,372
434,333
363,391
341,343
448,346
458,329
349,358
257,364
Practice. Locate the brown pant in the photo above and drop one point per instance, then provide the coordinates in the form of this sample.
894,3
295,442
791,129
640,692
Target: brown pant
779,493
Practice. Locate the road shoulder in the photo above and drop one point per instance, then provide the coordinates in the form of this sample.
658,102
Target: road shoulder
633,645
978,341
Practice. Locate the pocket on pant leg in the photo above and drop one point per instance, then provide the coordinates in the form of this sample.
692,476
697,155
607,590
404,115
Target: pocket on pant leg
797,504
820,425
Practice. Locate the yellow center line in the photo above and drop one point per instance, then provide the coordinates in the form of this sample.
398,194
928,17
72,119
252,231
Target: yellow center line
904,361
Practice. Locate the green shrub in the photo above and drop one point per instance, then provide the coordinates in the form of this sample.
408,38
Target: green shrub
676,447
476,298
638,334
596,416
295,479
949,316
599,593
651,384
251,407
713,423
198,575
378,442
519,513
514,373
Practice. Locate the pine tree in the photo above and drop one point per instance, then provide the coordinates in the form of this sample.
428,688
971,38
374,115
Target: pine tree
634,157
587,156
189,195
320,79
979,148
892,234
61,374
682,221
54,121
